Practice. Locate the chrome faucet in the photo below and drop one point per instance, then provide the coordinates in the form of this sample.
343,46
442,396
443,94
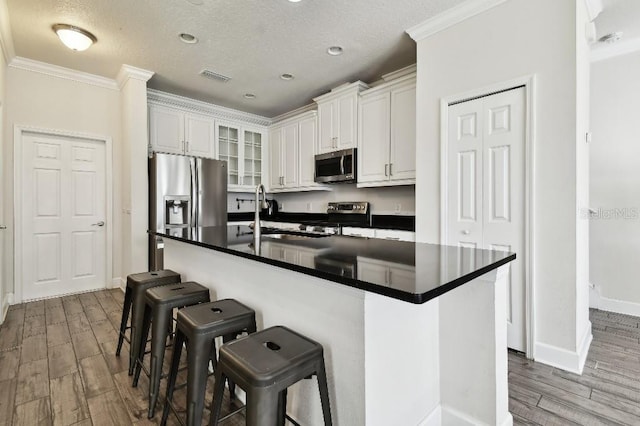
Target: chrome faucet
256,221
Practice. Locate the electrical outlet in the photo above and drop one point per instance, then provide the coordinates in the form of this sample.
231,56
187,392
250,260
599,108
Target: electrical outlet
309,206
398,207
281,206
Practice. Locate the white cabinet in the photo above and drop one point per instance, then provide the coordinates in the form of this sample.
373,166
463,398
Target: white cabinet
385,234
338,118
292,154
241,147
283,162
178,132
387,134
391,274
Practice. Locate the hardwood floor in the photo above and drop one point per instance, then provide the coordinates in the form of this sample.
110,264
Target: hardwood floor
58,366
607,392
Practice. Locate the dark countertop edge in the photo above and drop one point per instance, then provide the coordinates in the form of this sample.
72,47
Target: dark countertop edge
399,222
414,298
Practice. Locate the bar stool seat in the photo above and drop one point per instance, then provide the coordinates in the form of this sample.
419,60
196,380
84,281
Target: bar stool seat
265,364
134,302
159,304
198,326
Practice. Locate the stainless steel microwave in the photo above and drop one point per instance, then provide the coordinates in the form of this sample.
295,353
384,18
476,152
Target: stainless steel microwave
336,166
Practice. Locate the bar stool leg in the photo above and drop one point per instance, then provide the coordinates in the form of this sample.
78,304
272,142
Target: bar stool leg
159,329
262,406
218,394
324,392
198,357
143,333
282,408
173,373
232,386
125,317
137,319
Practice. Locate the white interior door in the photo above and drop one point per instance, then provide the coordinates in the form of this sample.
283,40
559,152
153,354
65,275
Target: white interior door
63,215
486,186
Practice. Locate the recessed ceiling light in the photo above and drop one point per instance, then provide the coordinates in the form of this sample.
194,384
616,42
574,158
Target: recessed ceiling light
287,76
188,38
249,96
73,37
611,37
294,1
335,50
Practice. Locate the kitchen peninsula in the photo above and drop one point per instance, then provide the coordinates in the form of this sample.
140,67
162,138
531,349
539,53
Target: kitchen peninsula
385,312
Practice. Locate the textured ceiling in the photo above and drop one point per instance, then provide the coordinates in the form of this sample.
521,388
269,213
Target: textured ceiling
251,41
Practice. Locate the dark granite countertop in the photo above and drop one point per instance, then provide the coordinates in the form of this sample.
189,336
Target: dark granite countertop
412,272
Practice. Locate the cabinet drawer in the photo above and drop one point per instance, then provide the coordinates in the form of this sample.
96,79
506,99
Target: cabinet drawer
390,234
358,232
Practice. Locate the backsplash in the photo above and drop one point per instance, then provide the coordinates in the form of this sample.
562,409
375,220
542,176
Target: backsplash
384,200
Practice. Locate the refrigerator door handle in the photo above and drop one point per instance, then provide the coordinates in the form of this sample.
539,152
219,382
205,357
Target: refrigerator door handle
193,166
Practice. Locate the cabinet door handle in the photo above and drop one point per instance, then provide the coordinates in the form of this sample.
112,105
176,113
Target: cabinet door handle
386,170
182,146
187,142
466,232
390,172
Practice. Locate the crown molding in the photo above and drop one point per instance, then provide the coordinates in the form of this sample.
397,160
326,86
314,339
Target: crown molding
169,99
357,86
6,39
61,72
128,72
594,7
451,17
390,76
606,51
295,113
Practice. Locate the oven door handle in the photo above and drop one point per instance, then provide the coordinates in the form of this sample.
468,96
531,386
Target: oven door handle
342,164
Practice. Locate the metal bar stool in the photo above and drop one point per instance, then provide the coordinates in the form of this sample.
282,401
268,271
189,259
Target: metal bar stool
137,284
199,325
159,305
265,364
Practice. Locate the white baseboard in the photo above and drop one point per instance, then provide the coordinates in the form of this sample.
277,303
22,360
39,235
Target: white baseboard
118,283
596,300
6,302
564,359
434,418
452,417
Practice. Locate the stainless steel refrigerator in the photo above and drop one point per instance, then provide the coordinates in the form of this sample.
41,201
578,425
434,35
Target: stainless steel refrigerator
185,193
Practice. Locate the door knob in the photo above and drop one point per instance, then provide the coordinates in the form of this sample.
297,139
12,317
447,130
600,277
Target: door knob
101,223
466,232
3,227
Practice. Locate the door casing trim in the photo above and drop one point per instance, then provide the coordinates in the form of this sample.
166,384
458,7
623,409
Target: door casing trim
18,133
529,83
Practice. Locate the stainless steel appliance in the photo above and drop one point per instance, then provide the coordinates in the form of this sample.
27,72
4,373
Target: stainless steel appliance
184,192
337,166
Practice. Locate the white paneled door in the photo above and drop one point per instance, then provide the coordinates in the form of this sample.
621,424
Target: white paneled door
486,188
63,215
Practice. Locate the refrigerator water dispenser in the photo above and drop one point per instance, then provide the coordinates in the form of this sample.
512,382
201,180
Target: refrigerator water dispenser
177,211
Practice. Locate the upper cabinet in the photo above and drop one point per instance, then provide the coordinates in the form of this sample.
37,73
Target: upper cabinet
178,132
242,148
293,145
338,118
387,134
185,126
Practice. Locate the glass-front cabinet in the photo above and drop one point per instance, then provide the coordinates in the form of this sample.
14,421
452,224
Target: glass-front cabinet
241,148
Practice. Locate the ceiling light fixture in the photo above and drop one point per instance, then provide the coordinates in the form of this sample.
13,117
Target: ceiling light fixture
286,76
335,50
611,37
73,37
294,1
188,38
249,96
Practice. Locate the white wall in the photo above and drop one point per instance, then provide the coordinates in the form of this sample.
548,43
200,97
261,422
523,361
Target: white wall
49,102
383,200
615,178
5,277
515,39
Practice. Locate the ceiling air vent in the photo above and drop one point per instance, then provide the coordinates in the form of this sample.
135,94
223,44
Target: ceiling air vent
214,75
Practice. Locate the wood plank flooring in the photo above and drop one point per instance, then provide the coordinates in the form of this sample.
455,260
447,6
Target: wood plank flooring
607,392
58,366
